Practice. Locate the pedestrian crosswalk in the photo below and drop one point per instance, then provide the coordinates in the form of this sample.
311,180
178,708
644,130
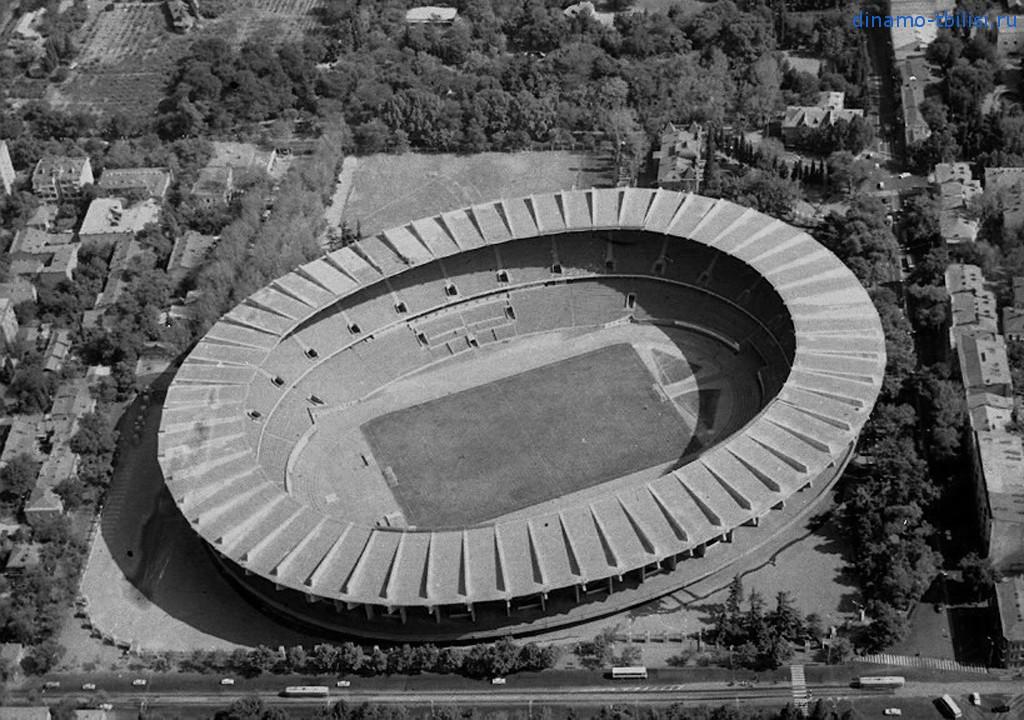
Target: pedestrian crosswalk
922,662
801,696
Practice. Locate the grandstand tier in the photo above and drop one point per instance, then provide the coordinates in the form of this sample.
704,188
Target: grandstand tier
337,334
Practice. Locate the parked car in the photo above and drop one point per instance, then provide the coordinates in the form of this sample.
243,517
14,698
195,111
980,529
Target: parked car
51,684
892,711
227,681
105,706
343,683
498,681
89,686
138,682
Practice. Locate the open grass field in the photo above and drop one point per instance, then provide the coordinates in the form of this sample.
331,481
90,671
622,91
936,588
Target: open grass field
390,190
531,437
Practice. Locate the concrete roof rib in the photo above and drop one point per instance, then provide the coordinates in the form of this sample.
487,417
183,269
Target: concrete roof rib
233,493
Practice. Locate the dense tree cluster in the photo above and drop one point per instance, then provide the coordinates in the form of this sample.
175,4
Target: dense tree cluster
497,659
33,604
511,74
757,637
962,126
890,497
253,708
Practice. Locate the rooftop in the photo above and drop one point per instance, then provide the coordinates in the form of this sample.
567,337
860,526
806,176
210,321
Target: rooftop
107,216
25,713
1010,600
431,14
983,363
153,181
240,156
189,251
213,181
60,167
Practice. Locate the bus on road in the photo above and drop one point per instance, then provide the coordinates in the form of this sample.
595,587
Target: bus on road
882,682
635,672
950,707
306,691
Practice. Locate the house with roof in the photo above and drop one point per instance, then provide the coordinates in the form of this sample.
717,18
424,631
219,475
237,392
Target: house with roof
143,182
190,249
585,7
18,290
117,280
24,556
999,470
1009,600
680,158
914,75
7,174
973,310
13,712
984,365
1008,184
60,177
431,15
48,268
798,119
57,350
1010,39
213,186
1013,323
112,220
242,156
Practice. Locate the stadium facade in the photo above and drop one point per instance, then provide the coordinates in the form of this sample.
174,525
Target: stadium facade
246,403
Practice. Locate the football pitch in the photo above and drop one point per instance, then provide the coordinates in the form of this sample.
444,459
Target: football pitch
494,449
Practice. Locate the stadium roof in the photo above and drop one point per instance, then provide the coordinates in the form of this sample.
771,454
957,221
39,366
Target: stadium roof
212,452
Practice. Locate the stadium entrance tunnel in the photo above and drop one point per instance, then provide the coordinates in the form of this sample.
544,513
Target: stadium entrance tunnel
519,415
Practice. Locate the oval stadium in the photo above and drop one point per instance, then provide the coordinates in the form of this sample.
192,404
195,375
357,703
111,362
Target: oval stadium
519,415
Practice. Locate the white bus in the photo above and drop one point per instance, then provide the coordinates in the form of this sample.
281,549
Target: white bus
882,682
636,672
306,691
950,706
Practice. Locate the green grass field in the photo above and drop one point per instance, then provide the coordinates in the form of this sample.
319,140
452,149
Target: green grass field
516,442
390,190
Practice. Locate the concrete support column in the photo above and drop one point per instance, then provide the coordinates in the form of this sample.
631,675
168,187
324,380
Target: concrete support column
611,585
508,607
437,614
472,611
671,562
544,601
403,613
370,612
700,550
338,606
577,589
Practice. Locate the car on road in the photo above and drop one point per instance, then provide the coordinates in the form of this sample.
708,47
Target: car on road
499,681
51,684
105,706
89,686
138,682
227,681
892,711
343,683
